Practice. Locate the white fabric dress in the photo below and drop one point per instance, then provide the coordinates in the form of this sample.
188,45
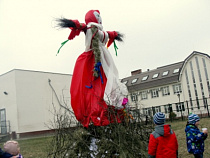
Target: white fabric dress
115,91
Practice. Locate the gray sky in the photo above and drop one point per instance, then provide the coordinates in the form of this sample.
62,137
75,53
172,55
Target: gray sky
157,32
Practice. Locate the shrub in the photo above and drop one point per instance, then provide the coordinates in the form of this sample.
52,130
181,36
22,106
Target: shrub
172,115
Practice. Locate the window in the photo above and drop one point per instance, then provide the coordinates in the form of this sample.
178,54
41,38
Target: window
205,102
180,107
165,73
144,78
183,108
157,109
154,93
168,108
176,70
134,80
143,95
205,69
155,76
206,74
3,121
147,111
177,88
165,91
134,97
200,79
188,87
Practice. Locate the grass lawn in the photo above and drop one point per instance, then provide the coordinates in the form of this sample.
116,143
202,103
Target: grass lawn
38,147
34,147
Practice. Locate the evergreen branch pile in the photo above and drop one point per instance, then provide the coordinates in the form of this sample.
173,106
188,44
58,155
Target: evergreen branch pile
120,140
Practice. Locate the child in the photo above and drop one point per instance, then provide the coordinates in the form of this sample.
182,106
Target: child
162,142
195,138
12,147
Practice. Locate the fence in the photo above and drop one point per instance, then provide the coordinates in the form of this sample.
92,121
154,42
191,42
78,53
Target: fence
182,109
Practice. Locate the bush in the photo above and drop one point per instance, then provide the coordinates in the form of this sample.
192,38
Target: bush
172,115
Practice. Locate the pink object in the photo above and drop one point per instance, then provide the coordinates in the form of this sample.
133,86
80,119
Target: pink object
125,101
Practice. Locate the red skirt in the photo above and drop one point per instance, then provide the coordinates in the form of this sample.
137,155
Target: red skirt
87,94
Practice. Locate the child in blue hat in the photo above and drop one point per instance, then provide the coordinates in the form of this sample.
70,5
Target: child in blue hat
162,141
195,138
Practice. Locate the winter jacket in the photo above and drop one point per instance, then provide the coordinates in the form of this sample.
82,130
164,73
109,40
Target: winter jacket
4,154
195,139
163,143
7,155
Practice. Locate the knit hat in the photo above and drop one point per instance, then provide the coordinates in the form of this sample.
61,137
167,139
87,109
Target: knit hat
193,118
159,118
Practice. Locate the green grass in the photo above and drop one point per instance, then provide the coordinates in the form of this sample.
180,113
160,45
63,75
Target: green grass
39,147
34,147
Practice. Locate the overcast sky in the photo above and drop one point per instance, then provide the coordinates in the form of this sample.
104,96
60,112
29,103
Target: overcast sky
157,32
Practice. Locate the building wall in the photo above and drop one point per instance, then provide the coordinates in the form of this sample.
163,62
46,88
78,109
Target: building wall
201,81
160,100
197,87
8,100
35,98
31,102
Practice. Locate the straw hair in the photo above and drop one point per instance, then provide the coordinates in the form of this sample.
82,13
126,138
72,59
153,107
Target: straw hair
12,147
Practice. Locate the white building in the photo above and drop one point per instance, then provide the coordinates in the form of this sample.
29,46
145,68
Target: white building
28,98
183,86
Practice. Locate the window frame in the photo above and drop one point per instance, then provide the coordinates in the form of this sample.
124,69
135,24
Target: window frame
176,70
145,78
154,93
177,88
167,108
165,73
165,90
136,79
143,95
155,75
180,107
134,97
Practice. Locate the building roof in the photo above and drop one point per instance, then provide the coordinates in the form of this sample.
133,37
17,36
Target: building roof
158,77
189,57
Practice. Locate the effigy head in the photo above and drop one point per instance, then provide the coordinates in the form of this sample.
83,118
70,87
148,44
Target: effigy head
93,16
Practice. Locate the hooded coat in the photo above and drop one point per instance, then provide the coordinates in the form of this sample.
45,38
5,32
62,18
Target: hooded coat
195,139
163,142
